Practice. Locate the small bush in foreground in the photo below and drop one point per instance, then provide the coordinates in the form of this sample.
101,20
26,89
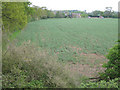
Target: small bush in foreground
35,84
102,84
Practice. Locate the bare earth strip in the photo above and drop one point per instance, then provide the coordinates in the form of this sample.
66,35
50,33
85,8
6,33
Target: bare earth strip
87,69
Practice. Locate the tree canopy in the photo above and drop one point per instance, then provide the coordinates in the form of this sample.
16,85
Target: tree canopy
13,16
16,15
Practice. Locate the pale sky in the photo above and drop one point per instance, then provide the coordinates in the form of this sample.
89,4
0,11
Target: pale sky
89,5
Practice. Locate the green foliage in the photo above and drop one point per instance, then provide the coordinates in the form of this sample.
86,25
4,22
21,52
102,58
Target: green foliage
101,84
84,15
50,14
35,84
16,72
14,35
38,13
13,16
112,66
59,14
97,13
8,37
115,14
28,11
16,15
106,13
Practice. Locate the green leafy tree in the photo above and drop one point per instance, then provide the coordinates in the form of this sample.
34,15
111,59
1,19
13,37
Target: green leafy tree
84,15
13,16
44,13
59,14
39,13
108,12
28,11
50,14
115,14
97,13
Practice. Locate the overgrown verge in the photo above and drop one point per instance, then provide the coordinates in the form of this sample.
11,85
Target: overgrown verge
31,67
101,84
8,37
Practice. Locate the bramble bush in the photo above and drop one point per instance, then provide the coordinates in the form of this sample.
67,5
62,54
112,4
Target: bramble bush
112,66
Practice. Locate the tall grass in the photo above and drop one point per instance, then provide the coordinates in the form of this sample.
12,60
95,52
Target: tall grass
28,66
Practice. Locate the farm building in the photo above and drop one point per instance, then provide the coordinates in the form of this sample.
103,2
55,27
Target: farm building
76,15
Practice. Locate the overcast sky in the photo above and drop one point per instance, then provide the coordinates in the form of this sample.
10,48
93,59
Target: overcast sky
89,5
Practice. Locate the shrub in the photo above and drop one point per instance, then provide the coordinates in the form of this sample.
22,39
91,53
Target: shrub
35,84
102,84
112,66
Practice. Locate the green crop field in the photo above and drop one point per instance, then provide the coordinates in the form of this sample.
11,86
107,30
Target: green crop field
79,40
79,46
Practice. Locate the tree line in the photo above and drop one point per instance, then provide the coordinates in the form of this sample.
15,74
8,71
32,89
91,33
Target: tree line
108,13
16,15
